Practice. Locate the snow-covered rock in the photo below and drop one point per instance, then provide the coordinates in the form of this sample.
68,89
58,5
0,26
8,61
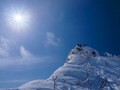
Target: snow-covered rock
84,69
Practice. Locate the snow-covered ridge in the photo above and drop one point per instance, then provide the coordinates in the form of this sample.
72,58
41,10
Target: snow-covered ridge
84,69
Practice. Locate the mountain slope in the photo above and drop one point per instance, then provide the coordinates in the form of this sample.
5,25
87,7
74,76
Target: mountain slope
84,69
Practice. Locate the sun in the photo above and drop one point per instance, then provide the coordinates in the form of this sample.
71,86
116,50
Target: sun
18,19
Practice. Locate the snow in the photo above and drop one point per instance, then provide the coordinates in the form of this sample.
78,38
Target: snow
82,71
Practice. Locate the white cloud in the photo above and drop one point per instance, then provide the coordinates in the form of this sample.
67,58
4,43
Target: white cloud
25,58
5,46
24,52
52,39
13,81
8,56
21,61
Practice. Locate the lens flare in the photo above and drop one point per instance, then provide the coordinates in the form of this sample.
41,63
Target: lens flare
18,19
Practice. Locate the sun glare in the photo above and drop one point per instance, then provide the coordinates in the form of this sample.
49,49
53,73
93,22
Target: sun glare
18,19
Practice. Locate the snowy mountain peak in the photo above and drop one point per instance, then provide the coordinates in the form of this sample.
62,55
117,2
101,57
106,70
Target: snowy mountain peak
84,69
81,54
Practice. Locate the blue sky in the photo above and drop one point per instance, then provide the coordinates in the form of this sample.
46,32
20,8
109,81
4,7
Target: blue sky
54,28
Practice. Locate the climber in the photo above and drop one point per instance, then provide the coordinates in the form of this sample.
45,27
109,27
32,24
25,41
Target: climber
93,53
85,44
69,58
72,52
78,45
79,48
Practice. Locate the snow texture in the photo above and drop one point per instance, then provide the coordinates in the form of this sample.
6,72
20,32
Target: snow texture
84,69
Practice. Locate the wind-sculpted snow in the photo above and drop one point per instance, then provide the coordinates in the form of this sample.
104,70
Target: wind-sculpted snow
84,69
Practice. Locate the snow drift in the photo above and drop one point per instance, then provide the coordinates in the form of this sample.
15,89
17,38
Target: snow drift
84,69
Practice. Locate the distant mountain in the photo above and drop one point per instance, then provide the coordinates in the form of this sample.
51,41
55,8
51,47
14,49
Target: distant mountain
84,69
